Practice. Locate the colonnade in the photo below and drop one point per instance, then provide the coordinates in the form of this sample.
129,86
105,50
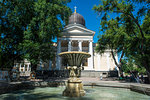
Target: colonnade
90,60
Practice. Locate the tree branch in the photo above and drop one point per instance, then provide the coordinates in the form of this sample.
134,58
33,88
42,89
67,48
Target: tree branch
114,58
136,22
142,34
131,15
121,55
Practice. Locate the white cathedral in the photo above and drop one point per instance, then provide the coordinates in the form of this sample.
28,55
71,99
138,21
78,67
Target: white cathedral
76,37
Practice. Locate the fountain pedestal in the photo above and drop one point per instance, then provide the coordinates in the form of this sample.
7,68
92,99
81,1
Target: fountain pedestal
74,88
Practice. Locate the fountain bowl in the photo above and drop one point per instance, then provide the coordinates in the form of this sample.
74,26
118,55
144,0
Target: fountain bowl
74,58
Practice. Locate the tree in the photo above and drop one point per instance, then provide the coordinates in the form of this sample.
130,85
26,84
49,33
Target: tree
131,26
110,41
45,25
14,18
129,66
27,28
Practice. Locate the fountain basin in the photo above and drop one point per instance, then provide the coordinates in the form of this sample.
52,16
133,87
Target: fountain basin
55,93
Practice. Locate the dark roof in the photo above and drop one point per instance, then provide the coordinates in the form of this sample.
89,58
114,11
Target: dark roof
76,18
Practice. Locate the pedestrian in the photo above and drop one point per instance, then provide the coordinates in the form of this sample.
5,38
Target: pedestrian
137,79
101,76
142,78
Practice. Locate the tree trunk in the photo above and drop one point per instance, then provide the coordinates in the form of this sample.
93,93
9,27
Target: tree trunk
148,74
120,71
147,70
118,64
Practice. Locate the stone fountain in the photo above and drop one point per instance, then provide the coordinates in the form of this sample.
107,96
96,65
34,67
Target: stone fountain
74,86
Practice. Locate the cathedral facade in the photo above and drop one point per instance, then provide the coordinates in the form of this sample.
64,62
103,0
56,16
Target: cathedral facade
76,37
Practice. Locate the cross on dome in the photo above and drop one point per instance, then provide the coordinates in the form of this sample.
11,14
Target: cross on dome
76,18
75,9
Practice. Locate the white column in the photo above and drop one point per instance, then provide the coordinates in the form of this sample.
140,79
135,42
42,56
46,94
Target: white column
28,67
80,45
58,62
69,45
50,65
91,60
20,68
108,63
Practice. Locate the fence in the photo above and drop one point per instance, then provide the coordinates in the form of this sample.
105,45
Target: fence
3,75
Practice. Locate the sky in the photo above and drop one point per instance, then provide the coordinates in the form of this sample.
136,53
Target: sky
84,8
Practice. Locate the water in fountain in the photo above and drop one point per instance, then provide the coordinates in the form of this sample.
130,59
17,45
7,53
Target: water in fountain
54,93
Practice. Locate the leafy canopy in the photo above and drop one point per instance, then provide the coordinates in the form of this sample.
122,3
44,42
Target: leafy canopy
125,24
27,28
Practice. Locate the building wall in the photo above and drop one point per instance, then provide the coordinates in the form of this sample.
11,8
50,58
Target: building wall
24,67
103,62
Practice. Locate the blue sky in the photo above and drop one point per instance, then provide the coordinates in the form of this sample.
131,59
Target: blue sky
92,20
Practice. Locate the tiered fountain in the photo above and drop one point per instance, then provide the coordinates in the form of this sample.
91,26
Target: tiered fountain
74,86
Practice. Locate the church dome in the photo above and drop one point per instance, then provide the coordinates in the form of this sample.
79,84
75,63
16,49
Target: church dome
76,18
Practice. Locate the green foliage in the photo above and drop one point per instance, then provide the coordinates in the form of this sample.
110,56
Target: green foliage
44,26
27,28
128,31
129,66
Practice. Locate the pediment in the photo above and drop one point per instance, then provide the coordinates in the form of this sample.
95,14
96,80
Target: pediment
75,31
78,29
